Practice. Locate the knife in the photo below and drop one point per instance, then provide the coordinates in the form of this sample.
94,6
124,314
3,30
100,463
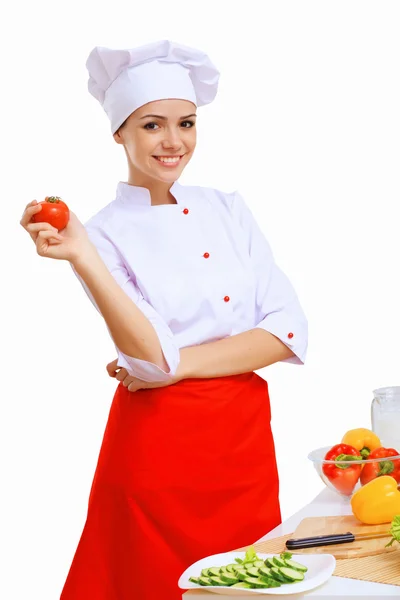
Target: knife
329,540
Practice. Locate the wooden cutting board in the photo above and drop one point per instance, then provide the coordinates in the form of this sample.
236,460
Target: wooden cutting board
343,524
380,568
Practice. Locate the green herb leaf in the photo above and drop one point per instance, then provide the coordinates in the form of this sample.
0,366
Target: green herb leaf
250,554
395,529
286,555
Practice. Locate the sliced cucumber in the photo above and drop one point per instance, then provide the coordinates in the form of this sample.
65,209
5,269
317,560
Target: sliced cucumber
204,581
291,574
265,571
231,568
270,563
292,564
229,578
238,568
259,563
217,581
253,572
276,574
271,582
256,583
279,562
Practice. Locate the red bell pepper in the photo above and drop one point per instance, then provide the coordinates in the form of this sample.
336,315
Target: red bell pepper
381,467
343,477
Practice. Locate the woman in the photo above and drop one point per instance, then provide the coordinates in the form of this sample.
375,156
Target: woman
193,300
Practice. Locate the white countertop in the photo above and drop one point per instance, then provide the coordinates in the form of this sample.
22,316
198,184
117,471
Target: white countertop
327,503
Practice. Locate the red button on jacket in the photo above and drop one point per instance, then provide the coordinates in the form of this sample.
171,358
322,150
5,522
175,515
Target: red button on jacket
206,255
290,335
185,211
226,298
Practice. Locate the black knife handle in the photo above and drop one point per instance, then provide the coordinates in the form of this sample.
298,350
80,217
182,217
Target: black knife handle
320,540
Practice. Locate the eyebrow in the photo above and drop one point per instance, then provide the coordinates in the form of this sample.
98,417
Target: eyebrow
165,118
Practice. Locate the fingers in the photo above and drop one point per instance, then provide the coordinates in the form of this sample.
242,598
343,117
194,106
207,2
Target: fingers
112,368
45,239
37,227
132,383
122,374
50,235
128,380
134,386
31,209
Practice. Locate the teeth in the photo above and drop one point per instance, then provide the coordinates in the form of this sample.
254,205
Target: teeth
168,159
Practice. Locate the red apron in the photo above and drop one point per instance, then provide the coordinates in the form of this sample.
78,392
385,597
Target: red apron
184,471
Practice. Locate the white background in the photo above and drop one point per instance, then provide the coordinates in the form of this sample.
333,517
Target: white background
306,126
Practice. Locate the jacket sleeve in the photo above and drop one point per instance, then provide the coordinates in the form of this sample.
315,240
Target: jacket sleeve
142,369
278,308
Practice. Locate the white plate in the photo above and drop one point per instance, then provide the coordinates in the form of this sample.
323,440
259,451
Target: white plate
320,568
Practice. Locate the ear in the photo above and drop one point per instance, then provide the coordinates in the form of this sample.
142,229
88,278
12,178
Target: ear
118,137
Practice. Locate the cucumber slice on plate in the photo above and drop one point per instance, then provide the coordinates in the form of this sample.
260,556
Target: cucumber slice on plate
213,572
265,571
292,564
253,572
269,563
230,568
241,574
279,562
259,563
256,583
204,573
217,581
276,574
243,585
229,578
204,581
194,580
291,574
271,582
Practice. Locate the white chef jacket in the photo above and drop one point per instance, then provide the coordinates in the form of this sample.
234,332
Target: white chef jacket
200,270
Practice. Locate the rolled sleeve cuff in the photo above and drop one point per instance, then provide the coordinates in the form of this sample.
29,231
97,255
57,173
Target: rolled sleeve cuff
147,371
293,334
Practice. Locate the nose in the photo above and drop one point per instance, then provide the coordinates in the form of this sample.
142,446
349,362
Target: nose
172,138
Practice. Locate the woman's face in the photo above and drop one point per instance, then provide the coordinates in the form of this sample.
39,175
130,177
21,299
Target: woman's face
159,138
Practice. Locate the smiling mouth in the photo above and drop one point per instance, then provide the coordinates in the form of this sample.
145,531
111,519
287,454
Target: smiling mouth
169,161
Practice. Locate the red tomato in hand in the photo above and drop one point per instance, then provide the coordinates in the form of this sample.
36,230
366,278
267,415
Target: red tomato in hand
54,211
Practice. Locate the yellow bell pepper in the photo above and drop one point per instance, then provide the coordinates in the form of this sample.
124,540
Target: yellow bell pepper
362,440
377,502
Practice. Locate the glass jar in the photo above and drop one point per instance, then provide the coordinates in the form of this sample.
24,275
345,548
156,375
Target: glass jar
385,416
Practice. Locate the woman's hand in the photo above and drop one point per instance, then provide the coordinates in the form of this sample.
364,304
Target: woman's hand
69,245
133,383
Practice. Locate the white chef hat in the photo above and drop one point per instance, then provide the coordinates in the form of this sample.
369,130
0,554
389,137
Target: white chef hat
124,80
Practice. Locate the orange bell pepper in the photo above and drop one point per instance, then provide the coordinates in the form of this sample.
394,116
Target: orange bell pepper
363,440
377,502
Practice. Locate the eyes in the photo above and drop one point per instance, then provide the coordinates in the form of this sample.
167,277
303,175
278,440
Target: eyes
152,126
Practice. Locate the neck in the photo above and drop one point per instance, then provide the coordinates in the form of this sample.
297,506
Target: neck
159,190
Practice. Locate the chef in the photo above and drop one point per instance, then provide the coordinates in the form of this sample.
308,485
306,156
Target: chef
194,302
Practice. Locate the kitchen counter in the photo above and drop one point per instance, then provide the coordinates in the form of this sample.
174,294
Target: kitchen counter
327,503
